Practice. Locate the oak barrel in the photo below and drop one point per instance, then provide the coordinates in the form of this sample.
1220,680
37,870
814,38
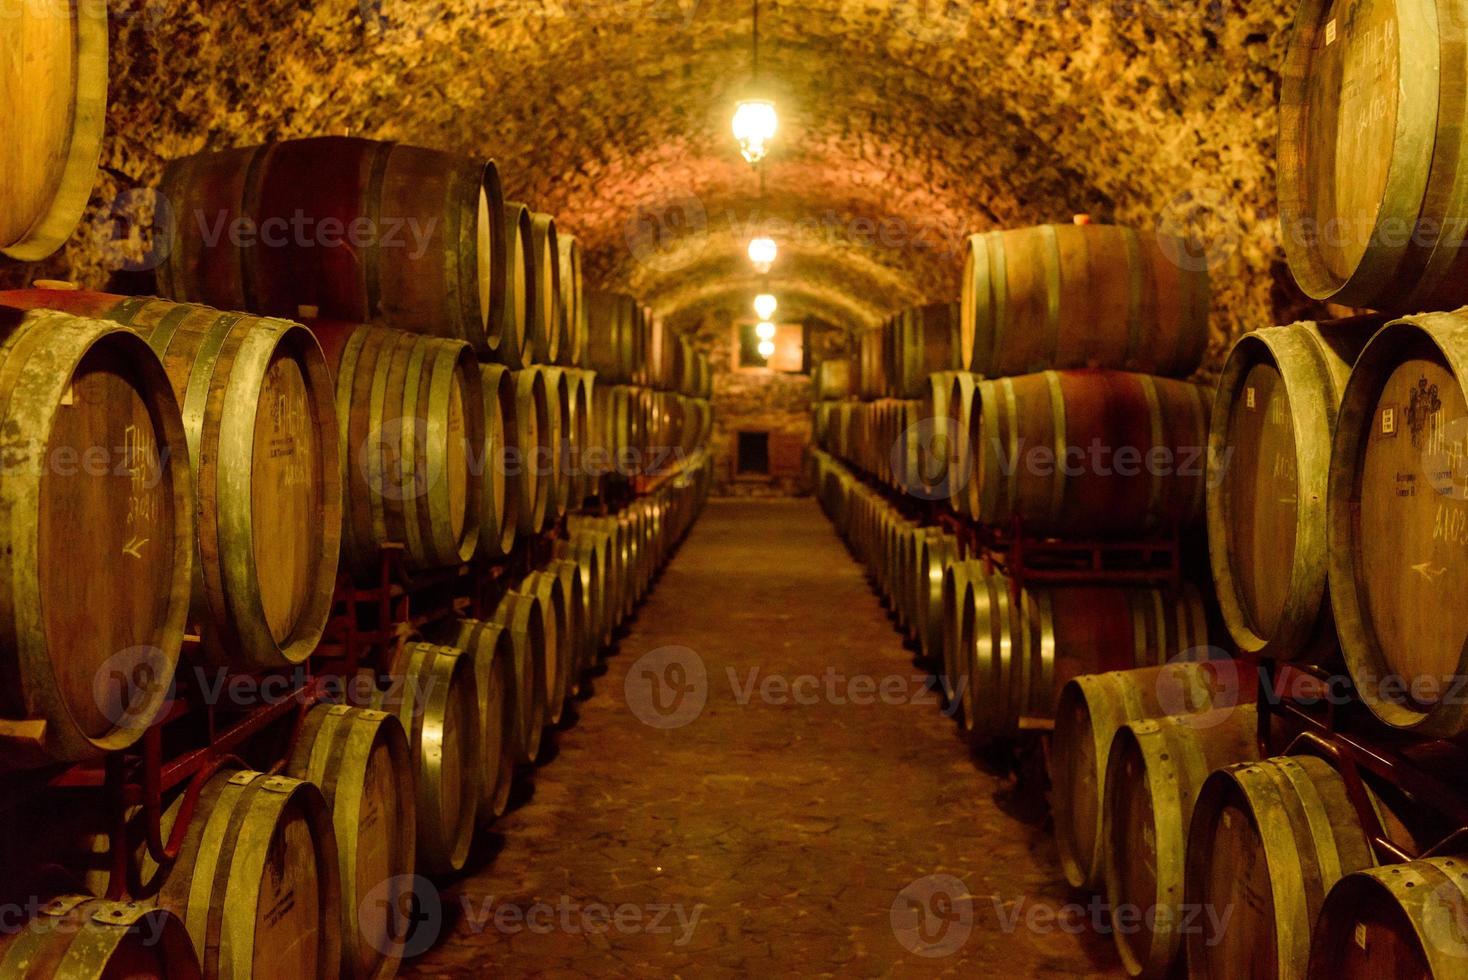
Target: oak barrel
578,620
1077,296
499,513
544,329
1267,840
1398,524
832,380
1269,462
590,550
53,97
1156,769
433,692
1090,711
572,308
99,529
256,880
1096,453
560,427
559,652
925,340
414,422
1373,133
78,937
1402,920
611,320
361,230
491,647
515,350
958,638
523,616
359,758
959,475
935,553
529,467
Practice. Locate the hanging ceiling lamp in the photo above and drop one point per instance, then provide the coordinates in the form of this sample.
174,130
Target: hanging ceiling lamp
766,349
765,305
755,120
764,330
763,252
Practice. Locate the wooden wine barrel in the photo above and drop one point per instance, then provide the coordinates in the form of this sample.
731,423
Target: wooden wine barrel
618,556
1156,769
529,466
832,380
561,427
491,646
590,550
435,696
925,340
414,417
1134,452
79,937
1077,296
515,350
364,231
263,447
99,530
545,312
610,319
523,616
1025,649
1090,711
572,309
359,759
499,512
1403,920
955,618
578,620
960,478
1398,508
1372,168
1267,840
1269,461
53,93
580,475
256,880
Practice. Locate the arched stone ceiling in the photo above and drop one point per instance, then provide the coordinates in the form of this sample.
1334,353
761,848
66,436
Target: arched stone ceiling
904,125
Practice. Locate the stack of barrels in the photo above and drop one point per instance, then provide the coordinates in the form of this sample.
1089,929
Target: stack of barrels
414,384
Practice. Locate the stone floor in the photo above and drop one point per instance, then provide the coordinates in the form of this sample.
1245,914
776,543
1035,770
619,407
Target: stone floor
760,785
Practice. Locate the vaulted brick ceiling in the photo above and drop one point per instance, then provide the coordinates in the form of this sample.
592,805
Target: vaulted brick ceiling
904,123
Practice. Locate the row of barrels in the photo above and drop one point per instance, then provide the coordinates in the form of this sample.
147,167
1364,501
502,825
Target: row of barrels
1338,495
1001,653
630,344
170,464
1094,453
309,871
1238,865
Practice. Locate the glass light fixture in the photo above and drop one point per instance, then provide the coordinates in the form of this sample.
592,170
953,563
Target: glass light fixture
755,123
764,330
765,305
766,349
762,252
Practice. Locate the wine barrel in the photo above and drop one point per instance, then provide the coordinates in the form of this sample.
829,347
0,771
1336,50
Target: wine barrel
359,758
1267,840
590,550
1026,647
79,937
1404,920
528,469
1156,769
1090,711
560,427
414,420
53,63
499,512
936,552
1372,168
581,474
491,646
99,531
1398,524
573,310
832,380
361,230
618,555
515,350
1269,460
578,621
523,616
957,619
263,447
925,340
1089,452
545,328
434,694
1077,296
256,880
963,488
610,323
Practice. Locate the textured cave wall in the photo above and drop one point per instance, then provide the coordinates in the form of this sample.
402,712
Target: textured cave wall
905,125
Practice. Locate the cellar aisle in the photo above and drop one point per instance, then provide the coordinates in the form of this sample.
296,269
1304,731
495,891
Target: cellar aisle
762,834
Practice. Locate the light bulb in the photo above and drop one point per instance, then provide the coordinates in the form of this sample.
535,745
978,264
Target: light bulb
755,123
766,349
765,330
762,252
765,305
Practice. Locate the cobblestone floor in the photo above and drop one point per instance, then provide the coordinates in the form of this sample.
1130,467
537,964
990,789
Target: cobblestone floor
779,797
